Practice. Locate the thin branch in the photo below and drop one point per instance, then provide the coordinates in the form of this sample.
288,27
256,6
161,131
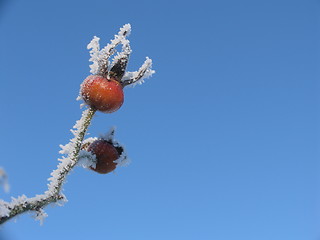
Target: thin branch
53,194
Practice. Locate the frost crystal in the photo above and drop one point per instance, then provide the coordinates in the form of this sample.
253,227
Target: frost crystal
41,215
87,159
4,209
21,200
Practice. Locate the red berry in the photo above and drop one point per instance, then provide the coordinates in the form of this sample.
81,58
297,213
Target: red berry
105,95
106,154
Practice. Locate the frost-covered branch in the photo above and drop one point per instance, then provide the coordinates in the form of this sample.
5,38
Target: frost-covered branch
102,91
23,204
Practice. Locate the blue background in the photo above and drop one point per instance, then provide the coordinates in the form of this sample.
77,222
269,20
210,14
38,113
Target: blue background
224,138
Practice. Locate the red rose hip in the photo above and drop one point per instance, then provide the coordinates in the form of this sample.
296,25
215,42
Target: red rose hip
106,154
102,94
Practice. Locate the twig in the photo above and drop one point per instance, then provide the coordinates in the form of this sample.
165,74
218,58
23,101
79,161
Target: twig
23,204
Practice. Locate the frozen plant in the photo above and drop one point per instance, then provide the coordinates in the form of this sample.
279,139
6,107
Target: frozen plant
102,91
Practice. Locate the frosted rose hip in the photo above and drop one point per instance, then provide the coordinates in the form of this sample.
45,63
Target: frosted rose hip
105,95
106,154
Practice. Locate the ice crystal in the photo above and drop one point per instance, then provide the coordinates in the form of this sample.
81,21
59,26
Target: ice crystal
4,209
87,159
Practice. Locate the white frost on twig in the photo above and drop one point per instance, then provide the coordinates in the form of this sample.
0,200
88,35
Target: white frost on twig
53,194
4,208
40,215
100,58
69,161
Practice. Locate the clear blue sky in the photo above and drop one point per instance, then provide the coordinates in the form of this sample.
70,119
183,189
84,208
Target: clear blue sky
224,139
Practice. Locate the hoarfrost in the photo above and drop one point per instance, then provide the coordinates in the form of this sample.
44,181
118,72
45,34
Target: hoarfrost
66,162
87,159
62,201
100,58
94,53
78,127
123,160
89,140
40,215
4,209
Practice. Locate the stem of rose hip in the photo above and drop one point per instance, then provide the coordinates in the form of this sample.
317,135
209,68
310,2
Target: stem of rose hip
79,139
53,194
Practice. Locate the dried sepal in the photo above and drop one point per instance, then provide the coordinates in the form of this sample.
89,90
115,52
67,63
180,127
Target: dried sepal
117,69
133,78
